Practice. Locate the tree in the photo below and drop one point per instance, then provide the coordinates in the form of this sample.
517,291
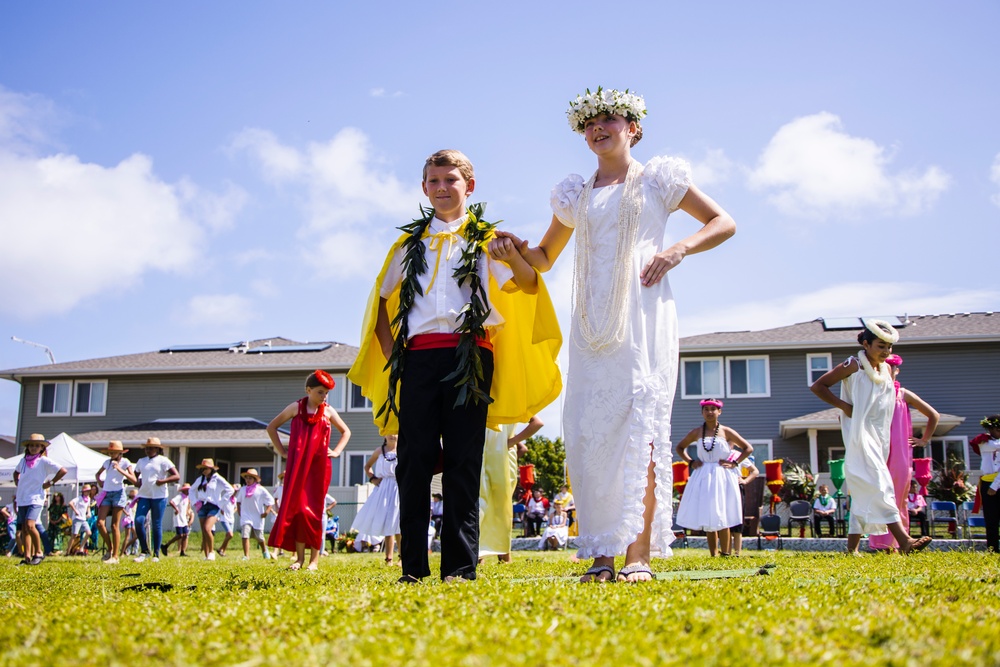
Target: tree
549,459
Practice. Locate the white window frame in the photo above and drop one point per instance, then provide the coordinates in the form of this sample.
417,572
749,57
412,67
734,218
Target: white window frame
76,390
809,369
69,406
722,377
349,398
747,358
347,466
340,381
943,441
758,459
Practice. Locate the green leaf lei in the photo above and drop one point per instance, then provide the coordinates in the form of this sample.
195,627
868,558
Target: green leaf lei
468,373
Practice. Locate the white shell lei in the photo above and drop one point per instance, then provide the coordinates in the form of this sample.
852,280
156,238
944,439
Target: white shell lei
609,333
881,377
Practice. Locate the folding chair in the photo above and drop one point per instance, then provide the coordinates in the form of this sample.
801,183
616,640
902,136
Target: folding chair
943,506
972,521
801,513
770,530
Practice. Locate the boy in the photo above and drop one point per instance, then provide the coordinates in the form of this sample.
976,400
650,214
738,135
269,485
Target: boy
183,518
457,347
79,511
255,503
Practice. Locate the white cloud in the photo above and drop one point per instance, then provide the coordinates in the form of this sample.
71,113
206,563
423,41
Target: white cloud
24,119
813,168
220,314
844,300
72,230
714,169
995,177
346,185
381,92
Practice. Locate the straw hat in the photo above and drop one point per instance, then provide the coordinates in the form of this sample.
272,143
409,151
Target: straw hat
207,463
153,442
35,439
281,475
185,487
114,446
252,472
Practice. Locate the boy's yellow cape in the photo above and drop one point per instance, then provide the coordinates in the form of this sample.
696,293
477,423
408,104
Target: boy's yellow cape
526,377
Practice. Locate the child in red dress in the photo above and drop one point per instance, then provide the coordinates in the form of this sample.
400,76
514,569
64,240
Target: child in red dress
303,500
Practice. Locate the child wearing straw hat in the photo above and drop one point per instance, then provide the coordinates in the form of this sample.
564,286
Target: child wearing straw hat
79,513
183,518
32,477
114,472
255,503
210,493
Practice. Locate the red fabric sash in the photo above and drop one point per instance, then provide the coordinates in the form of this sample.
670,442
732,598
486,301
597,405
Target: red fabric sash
437,341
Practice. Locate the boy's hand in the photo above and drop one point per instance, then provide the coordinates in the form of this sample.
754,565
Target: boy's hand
500,247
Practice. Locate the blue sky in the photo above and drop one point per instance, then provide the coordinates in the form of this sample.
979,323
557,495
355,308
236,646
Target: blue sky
200,172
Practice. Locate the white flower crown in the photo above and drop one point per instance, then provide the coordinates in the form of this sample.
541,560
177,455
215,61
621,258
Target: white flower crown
882,330
608,101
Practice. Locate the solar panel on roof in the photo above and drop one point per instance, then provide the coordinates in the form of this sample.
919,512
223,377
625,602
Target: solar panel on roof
312,347
205,347
839,323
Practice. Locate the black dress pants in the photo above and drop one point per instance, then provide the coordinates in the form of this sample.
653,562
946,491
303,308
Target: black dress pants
991,516
428,422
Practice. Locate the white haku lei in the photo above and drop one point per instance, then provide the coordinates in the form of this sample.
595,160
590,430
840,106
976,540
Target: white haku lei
606,333
882,329
606,101
881,377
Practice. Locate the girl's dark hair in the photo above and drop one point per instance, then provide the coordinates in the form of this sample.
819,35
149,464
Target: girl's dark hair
866,336
313,381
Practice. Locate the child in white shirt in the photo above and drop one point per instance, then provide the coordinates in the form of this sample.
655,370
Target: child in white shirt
255,503
113,500
183,518
32,477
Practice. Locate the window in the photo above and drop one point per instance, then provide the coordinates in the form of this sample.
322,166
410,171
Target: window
90,397
817,365
832,454
266,471
763,450
358,402
748,376
356,469
335,398
702,378
54,398
943,449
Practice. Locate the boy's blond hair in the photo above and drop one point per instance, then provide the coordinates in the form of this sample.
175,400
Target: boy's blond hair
449,157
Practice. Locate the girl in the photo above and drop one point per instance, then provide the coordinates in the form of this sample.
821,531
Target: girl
210,493
79,511
380,513
227,514
128,524
58,522
114,471
557,532
867,401
989,482
711,500
255,503
155,472
623,360
31,475
301,513
901,444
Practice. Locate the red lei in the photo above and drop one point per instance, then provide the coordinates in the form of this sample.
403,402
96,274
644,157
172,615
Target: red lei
301,515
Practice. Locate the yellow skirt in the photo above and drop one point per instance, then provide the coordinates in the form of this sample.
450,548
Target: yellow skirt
496,492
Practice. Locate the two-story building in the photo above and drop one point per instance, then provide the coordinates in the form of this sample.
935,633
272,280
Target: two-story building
201,401
951,361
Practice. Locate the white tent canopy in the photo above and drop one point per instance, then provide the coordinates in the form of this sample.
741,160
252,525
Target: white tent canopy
81,462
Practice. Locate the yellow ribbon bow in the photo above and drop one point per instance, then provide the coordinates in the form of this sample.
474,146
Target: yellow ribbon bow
437,244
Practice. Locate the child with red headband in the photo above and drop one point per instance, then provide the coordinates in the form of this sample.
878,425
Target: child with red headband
302,512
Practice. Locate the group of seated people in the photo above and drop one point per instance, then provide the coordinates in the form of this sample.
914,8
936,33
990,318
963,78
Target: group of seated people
825,510
545,518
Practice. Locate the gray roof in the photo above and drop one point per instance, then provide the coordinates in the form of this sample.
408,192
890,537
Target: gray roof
337,356
829,420
183,432
933,329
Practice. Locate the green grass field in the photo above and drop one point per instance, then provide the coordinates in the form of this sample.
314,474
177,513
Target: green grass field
817,609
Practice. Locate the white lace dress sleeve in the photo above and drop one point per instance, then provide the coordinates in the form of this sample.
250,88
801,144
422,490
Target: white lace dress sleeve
564,199
670,178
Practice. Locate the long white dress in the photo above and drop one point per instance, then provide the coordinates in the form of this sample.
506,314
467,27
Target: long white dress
866,442
711,499
618,401
379,516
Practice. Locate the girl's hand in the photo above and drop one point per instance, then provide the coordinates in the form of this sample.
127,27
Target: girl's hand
991,492
849,410
727,464
914,442
658,266
505,242
694,463
332,454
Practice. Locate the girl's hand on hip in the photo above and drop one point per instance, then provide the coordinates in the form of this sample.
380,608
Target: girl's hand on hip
658,266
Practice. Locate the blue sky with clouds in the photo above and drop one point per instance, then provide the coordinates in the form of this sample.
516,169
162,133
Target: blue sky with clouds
200,172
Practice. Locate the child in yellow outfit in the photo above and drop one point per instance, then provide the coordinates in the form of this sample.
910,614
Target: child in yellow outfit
452,342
